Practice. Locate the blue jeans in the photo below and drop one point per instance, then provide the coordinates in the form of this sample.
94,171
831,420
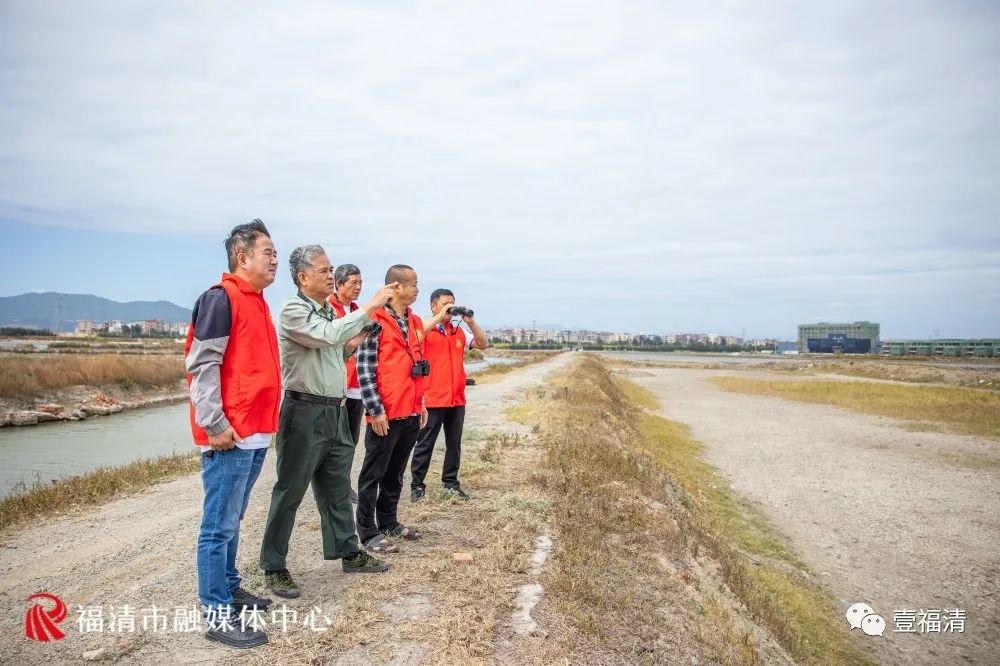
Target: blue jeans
228,477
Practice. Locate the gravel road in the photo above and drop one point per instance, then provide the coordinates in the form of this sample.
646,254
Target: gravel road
899,519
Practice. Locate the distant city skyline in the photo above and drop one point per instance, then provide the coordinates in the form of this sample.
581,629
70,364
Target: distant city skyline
543,327
612,166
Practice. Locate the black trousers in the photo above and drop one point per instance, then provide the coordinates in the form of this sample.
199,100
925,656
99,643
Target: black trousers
355,412
381,479
451,419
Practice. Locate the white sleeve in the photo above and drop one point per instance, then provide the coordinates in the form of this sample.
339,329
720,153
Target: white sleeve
469,338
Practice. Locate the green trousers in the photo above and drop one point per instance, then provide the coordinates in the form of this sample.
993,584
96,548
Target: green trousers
313,445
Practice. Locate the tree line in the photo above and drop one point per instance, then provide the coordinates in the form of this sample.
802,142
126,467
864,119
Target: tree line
21,332
629,346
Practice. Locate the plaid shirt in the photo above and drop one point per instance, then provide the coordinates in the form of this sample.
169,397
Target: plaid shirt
367,358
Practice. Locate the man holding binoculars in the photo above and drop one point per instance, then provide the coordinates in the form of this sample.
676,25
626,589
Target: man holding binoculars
445,392
392,370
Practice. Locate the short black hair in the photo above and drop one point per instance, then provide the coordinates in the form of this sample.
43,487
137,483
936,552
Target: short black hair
242,238
438,293
397,273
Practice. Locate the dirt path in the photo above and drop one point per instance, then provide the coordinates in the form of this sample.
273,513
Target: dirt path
895,518
140,551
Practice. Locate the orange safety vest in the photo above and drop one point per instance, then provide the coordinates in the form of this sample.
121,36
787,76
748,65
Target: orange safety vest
446,353
251,370
352,363
402,395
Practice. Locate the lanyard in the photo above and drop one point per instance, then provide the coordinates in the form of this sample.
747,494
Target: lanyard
313,310
409,331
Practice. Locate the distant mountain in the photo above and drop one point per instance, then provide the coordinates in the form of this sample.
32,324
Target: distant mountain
42,310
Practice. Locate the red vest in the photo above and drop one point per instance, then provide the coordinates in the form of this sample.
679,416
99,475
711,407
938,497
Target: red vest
352,363
251,370
446,352
402,395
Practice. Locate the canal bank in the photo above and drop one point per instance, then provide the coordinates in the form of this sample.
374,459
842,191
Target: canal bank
53,451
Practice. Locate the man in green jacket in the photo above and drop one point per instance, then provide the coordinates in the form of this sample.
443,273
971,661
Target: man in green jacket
314,443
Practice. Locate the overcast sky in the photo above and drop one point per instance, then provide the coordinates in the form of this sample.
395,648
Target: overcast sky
639,166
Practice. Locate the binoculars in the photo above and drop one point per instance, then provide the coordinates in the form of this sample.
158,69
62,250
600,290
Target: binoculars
459,311
420,368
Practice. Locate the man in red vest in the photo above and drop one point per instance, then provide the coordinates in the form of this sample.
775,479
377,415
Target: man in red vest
234,375
347,287
391,372
445,393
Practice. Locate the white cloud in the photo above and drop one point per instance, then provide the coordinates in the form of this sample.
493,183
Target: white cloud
644,150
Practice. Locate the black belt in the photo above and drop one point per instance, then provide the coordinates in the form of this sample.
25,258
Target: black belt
309,397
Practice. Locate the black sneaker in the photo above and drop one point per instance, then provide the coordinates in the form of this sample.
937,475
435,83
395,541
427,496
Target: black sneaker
362,562
354,496
243,599
418,494
282,583
234,636
455,493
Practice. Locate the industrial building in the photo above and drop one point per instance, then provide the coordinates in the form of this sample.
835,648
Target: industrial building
944,347
860,337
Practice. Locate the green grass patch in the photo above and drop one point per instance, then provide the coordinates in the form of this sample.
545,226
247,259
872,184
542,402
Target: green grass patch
963,410
528,412
638,396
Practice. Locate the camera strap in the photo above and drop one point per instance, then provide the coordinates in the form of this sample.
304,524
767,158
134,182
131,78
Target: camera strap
312,308
409,331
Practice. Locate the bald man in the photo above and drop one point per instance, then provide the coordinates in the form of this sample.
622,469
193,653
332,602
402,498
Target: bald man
391,372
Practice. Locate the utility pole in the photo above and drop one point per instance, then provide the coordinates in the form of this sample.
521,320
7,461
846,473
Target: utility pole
58,313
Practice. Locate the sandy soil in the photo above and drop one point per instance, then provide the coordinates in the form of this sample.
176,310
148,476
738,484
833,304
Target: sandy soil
140,551
895,518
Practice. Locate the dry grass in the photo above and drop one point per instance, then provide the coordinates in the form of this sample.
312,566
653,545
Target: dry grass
629,581
918,372
466,606
41,499
34,375
605,577
637,510
968,460
957,409
493,449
